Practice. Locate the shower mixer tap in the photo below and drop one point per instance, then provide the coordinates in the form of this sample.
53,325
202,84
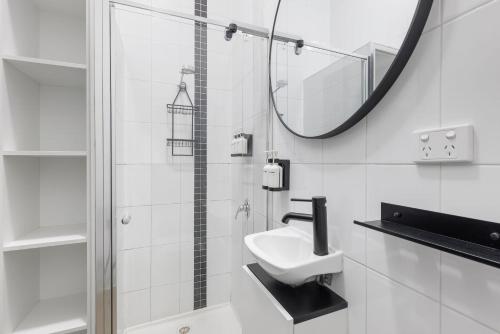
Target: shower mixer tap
245,207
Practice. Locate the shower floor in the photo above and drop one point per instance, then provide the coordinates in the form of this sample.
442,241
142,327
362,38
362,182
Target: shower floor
213,320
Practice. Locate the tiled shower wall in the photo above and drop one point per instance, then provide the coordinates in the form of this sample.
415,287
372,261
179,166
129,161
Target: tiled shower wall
394,286
156,250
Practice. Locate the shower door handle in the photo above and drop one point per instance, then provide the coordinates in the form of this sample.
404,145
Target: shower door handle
126,220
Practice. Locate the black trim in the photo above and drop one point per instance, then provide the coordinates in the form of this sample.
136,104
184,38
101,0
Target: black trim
466,237
409,44
303,303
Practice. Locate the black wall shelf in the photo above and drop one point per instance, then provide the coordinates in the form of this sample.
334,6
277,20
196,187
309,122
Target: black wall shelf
303,303
473,239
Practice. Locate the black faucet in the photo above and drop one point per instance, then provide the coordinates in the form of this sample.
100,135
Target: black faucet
318,218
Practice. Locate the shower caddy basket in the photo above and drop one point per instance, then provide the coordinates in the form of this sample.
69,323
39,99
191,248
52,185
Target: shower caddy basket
179,110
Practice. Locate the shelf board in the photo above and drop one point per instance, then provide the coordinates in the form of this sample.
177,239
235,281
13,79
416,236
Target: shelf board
56,316
50,72
74,8
44,153
49,236
470,238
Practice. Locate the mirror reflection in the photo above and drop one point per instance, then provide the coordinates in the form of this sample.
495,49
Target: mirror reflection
328,56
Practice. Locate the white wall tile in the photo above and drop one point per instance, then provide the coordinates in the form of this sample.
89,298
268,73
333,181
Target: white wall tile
219,187
186,297
351,285
134,269
136,102
412,104
481,184
133,185
415,186
470,79
187,262
166,184
164,301
218,289
455,323
137,58
434,19
406,262
166,224
133,143
187,225
395,309
471,288
135,307
219,144
219,256
165,264
137,233
454,8
348,147
344,188
219,218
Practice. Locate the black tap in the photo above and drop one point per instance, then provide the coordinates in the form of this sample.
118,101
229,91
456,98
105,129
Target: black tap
318,218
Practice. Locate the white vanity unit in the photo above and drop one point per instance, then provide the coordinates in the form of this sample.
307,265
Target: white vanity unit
265,305
43,166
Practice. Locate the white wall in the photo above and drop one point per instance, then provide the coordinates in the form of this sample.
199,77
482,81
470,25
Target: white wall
394,286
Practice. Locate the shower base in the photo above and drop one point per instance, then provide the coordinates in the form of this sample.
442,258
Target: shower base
213,320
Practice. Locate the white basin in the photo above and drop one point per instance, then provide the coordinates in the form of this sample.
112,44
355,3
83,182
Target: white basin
287,255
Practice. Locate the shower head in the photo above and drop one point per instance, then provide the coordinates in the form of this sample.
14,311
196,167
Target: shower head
280,84
187,69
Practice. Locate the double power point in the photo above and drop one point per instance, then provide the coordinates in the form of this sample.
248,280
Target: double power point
450,144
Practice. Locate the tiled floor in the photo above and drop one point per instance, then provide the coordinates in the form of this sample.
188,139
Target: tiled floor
214,320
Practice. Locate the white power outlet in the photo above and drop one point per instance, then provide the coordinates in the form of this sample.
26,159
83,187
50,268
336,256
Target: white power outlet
450,144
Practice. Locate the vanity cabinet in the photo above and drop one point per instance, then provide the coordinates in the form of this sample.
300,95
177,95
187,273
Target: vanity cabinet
265,305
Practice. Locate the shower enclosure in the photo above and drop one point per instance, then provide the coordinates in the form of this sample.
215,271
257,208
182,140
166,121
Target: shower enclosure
178,93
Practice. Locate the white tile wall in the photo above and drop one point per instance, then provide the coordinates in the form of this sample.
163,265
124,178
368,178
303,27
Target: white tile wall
454,323
395,286
394,309
472,289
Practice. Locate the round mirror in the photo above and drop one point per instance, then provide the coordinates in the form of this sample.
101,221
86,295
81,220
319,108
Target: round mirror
332,61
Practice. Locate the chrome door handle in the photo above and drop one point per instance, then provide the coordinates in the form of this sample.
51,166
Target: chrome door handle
126,220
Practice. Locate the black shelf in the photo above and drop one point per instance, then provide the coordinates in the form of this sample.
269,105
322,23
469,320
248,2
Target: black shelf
473,239
304,302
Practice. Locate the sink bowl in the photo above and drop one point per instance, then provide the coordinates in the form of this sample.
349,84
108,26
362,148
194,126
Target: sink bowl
287,255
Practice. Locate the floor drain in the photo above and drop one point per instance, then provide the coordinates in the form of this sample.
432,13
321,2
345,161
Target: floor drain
184,330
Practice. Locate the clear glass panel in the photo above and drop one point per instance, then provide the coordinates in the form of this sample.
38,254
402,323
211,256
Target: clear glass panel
178,242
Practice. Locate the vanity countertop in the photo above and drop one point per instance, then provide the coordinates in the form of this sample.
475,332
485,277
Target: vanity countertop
303,303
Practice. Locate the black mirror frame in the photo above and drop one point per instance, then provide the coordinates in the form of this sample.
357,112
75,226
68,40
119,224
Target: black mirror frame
410,42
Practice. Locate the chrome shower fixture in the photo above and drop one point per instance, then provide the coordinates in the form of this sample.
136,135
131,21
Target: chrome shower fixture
299,44
280,84
186,70
232,29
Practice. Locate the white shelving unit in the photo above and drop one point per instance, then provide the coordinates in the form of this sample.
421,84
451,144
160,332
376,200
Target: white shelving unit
44,153
43,166
49,236
58,315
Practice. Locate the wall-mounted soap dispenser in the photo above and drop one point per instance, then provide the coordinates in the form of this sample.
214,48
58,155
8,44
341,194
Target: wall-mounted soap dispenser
241,145
276,173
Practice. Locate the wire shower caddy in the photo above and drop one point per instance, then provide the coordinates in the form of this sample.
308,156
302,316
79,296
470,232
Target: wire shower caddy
180,110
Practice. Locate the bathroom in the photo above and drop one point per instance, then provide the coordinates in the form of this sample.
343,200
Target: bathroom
245,167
